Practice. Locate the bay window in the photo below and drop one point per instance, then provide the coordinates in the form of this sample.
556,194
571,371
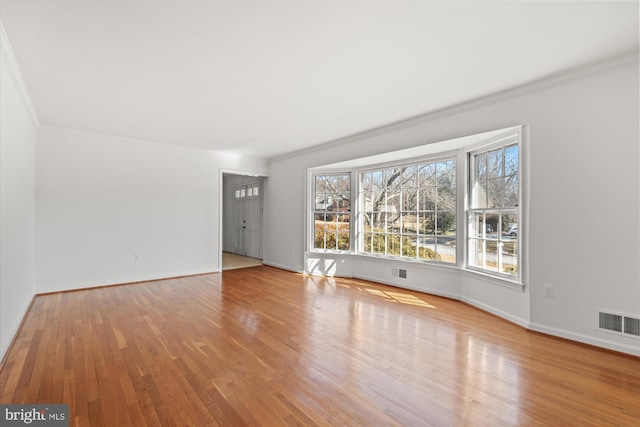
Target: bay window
455,203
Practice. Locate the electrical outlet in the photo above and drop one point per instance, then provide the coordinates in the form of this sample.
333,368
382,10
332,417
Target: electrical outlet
548,291
136,257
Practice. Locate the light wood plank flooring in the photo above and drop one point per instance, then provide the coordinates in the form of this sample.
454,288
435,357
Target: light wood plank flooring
263,346
232,261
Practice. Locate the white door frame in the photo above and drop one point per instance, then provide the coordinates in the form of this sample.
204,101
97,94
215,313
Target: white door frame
221,173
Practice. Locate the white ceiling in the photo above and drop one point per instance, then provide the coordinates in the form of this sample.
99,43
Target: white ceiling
263,78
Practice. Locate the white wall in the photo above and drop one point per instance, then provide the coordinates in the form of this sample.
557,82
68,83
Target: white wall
583,202
17,207
111,210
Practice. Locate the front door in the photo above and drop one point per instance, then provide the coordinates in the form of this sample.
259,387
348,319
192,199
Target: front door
247,220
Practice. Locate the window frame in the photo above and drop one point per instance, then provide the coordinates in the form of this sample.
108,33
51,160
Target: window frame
359,232
456,149
314,211
503,141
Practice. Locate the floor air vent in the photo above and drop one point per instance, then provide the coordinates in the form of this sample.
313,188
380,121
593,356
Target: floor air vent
619,323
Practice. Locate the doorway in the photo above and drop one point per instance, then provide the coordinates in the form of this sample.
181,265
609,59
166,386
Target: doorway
242,221
247,219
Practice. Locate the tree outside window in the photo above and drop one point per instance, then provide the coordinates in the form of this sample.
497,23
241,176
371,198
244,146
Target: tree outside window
332,211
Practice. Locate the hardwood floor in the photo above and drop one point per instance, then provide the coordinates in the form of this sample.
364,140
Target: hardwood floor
263,346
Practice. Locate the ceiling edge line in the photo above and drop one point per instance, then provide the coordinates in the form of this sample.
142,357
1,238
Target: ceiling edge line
557,79
9,58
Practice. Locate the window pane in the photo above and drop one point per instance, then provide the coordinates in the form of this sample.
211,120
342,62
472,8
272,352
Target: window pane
511,160
366,222
492,226
320,186
427,175
409,246
378,221
477,249
478,226
446,174
343,240
509,227
394,199
426,248
491,255
393,223
409,223
393,244
427,198
446,222
342,183
378,243
242,192
255,191
365,181
494,188
446,248
480,166
410,199
510,258
319,234
446,198
377,181
494,160
426,223
409,177
367,239
479,195
511,191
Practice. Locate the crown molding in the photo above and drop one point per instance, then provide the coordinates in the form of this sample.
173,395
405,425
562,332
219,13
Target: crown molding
557,79
16,76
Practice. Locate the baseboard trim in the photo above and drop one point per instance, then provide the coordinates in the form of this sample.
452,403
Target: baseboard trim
492,310
131,282
628,350
282,267
408,287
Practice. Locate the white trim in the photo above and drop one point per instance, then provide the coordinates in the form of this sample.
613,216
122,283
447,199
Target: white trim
283,267
221,173
492,279
427,291
144,142
6,52
558,79
503,314
127,281
632,349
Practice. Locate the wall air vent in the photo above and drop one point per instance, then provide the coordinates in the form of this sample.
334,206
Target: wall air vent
399,272
632,326
610,322
619,323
